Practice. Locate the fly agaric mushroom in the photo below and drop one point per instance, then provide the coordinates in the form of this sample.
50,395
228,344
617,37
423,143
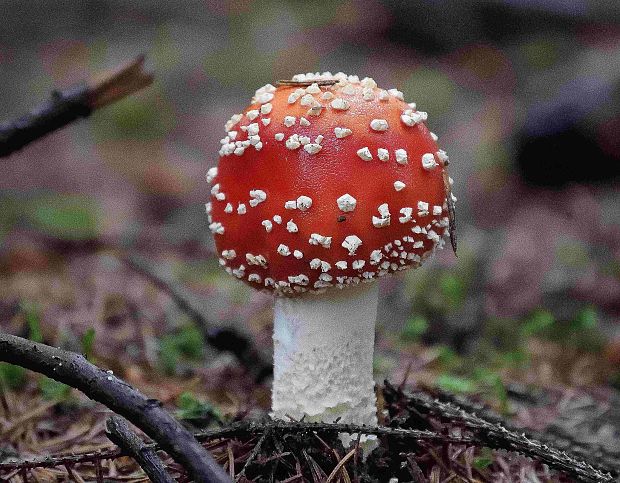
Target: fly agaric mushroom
327,182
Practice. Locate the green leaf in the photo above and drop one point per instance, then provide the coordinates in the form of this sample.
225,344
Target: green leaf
190,407
457,384
164,51
453,290
33,319
68,217
11,376
187,342
485,375
484,459
515,358
414,328
52,390
312,13
169,354
9,214
447,357
586,319
538,322
382,365
190,342
146,116
88,341
492,382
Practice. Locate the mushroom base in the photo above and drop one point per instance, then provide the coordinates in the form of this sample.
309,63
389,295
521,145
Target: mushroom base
323,356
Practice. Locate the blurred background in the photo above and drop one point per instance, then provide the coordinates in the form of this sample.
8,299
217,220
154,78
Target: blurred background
523,94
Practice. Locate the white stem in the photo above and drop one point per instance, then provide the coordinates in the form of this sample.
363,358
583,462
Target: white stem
323,353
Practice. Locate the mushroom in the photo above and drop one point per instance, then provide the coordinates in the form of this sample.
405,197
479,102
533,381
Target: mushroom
324,185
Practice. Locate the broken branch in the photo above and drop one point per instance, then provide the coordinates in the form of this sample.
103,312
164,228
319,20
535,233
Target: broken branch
119,433
147,414
482,433
223,339
495,435
73,103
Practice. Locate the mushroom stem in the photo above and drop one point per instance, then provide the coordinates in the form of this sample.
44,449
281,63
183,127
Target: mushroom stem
323,355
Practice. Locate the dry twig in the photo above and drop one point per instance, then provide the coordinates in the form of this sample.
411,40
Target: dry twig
484,433
294,83
252,456
147,414
495,435
119,433
592,452
246,429
73,103
223,339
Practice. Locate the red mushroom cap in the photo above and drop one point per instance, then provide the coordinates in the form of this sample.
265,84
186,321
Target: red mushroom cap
327,185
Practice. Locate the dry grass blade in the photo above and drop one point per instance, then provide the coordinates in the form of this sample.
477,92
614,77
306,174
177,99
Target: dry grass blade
293,83
416,472
252,456
4,402
336,455
340,466
318,475
231,460
99,471
449,461
24,418
73,475
293,478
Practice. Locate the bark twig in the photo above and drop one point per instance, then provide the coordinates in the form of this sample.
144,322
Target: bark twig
495,435
484,433
596,454
119,433
278,428
223,339
147,414
246,429
73,103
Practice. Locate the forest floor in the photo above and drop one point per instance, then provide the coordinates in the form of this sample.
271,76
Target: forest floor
121,315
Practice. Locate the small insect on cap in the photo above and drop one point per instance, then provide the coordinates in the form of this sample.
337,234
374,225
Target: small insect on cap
327,180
